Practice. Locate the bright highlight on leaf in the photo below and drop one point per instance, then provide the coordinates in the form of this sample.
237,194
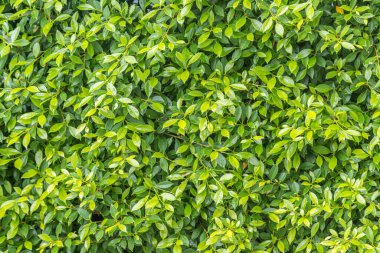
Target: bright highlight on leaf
339,10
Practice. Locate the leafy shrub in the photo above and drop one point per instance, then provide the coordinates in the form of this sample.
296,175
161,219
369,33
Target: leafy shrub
194,125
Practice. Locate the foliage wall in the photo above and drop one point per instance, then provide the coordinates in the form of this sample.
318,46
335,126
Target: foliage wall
189,126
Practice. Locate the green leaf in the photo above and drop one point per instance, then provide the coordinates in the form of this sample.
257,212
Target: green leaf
133,162
240,23
184,76
169,123
233,161
30,173
267,25
218,49
86,7
28,245
194,58
261,71
157,107
279,29
47,27
323,88
42,133
130,59
133,111
152,203
274,218
348,45
238,86
229,31
247,4
168,242
218,197
139,204
333,162
286,80
321,150
141,128
168,196
45,237
227,177
302,245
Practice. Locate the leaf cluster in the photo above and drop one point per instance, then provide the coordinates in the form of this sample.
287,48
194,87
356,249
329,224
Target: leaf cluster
189,126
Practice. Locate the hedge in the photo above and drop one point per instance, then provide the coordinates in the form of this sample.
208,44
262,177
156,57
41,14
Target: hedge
189,126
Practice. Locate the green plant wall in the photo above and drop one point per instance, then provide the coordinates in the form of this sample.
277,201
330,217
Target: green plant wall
189,126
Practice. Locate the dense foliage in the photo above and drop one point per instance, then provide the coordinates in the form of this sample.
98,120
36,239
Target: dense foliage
189,125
